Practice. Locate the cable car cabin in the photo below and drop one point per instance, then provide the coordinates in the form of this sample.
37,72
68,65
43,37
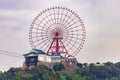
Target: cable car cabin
31,59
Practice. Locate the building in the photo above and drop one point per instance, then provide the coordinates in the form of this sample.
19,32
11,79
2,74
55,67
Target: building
38,57
32,58
70,63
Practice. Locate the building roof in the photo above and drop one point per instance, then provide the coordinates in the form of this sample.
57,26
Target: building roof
71,57
39,51
34,52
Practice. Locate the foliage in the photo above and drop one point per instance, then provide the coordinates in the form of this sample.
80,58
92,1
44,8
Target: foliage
58,67
79,64
85,71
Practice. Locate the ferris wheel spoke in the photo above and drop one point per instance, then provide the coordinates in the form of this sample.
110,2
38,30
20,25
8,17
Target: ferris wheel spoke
61,16
44,25
72,48
70,28
75,34
51,15
35,36
72,19
52,19
40,33
65,21
38,40
73,45
73,41
45,44
67,44
41,26
73,37
40,29
68,40
57,15
54,16
55,23
64,18
72,24
38,37
41,42
74,30
44,19
43,32
70,14
48,20
43,38
60,19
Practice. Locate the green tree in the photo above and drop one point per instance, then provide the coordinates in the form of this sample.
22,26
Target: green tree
109,71
79,65
58,67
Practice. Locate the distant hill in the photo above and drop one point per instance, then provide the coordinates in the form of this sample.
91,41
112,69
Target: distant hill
108,71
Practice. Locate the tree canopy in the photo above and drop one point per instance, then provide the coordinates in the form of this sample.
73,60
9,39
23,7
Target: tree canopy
85,71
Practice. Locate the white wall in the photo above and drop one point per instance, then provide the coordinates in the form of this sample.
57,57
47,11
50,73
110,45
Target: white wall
44,58
41,57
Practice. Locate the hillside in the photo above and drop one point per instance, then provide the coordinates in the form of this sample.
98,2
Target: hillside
108,71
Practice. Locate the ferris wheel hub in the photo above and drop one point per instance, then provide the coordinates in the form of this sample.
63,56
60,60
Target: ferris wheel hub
57,33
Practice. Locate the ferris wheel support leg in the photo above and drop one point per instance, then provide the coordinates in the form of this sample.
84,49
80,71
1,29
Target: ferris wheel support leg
50,47
57,45
66,52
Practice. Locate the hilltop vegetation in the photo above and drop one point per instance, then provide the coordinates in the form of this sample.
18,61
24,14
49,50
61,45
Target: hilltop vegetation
108,71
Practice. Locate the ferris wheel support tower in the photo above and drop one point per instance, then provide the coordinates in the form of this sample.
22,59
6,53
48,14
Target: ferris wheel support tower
57,45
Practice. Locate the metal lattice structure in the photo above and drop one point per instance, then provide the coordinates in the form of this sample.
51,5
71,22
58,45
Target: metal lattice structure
57,29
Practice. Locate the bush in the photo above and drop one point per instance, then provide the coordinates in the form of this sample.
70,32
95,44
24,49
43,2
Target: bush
58,67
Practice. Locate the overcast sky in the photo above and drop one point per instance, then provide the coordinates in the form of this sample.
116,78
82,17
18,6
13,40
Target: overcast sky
101,19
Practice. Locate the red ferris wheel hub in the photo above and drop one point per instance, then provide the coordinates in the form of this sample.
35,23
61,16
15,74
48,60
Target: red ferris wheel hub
57,32
57,29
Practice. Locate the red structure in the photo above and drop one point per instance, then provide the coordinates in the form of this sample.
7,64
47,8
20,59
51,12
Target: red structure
57,29
57,44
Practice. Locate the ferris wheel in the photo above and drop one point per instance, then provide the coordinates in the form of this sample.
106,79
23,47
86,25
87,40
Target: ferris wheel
57,29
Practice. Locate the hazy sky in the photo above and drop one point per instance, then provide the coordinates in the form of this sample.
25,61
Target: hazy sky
101,19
